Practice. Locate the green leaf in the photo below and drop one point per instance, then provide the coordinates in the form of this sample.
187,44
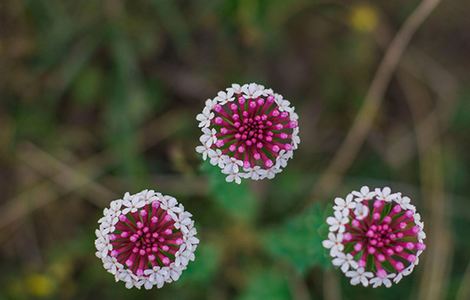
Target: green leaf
126,110
299,240
174,23
237,199
87,86
207,261
461,118
267,284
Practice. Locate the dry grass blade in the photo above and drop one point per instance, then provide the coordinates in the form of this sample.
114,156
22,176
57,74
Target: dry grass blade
83,174
364,119
331,286
443,84
438,255
64,175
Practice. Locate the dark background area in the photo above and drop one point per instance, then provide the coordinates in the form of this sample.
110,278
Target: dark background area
99,97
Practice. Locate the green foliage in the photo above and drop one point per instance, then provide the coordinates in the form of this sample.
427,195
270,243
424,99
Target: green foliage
86,88
298,241
126,109
267,284
237,199
203,269
173,22
461,118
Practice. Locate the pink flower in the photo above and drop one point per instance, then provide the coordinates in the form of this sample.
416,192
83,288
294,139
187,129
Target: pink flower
255,130
146,239
381,237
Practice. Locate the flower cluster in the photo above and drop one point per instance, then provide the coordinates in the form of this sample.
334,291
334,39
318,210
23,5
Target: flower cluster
249,132
146,239
375,237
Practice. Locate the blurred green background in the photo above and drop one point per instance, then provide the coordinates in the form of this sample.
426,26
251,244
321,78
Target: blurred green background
99,97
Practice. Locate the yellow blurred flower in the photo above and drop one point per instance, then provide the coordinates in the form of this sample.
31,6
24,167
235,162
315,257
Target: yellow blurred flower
363,17
40,285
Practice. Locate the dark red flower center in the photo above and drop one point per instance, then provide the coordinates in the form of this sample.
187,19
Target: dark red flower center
386,237
145,239
253,130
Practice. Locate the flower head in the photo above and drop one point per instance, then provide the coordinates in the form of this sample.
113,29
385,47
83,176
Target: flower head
146,239
255,130
375,236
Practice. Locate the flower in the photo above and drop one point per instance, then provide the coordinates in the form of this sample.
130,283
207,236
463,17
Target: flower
216,158
364,18
255,173
205,151
334,243
209,137
359,276
40,285
205,117
250,127
146,239
378,281
386,194
343,204
338,221
363,194
404,273
345,261
375,239
361,211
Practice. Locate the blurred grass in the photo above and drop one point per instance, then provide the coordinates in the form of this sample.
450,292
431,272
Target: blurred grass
99,98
